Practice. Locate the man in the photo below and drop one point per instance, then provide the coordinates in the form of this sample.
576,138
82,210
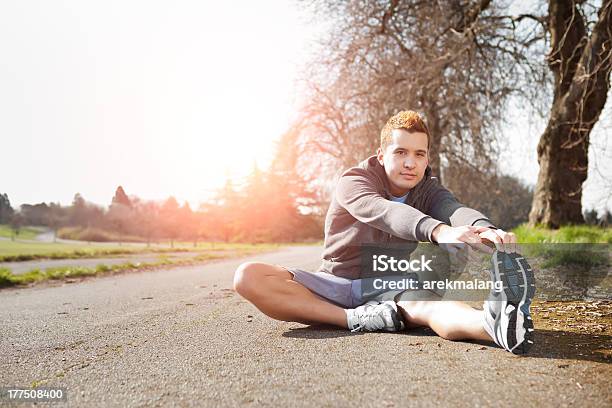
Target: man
393,198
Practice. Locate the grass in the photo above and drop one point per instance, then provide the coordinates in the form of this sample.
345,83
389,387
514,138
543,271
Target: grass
16,251
7,278
586,257
581,245
24,233
94,234
576,234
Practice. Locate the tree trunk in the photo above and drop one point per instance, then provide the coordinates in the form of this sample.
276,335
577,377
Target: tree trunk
581,67
558,194
433,123
432,119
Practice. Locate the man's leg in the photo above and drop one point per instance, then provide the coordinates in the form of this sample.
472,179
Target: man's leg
449,319
273,291
506,319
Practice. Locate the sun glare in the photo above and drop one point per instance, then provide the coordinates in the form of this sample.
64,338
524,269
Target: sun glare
168,102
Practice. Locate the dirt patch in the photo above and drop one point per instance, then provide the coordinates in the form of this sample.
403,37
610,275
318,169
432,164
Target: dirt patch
579,330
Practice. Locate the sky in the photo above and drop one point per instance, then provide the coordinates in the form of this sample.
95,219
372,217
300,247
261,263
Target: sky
163,98
169,98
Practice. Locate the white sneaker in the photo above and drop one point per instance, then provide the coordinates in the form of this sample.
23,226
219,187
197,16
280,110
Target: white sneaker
374,316
507,317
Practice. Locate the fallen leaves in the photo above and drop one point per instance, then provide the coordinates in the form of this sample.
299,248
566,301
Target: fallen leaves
585,317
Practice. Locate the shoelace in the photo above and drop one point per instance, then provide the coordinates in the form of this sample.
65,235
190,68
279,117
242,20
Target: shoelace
365,316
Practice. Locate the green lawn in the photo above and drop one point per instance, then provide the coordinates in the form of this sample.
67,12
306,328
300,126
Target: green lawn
7,278
581,234
580,245
35,250
23,251
24,232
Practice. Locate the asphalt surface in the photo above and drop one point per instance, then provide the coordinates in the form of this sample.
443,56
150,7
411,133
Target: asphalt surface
182,337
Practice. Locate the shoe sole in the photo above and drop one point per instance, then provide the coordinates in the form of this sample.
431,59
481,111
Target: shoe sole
398,322
519,287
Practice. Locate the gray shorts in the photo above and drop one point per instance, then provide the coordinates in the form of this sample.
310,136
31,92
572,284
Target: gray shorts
344,292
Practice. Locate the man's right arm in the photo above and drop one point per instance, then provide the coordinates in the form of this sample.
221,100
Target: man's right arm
357,192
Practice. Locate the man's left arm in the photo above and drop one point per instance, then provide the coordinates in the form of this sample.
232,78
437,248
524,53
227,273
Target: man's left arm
445,207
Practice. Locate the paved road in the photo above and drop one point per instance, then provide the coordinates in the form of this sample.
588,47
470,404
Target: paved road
182,337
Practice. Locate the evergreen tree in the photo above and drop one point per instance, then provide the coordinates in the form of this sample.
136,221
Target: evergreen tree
78,211
6,211
590,217
221,214
148,220
606,219
121,198
187,223
169,219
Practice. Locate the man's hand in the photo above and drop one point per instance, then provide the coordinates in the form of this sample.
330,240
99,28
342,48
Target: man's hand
454,238
504,241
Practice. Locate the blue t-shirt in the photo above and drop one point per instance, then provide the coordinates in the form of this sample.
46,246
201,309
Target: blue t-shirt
399,199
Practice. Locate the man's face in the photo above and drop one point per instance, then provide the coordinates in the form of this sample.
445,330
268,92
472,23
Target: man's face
405,160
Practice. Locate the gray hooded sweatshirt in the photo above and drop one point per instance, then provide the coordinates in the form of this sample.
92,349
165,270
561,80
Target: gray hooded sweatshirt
361,212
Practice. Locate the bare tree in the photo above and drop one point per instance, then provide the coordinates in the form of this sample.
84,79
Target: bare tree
506,203
580,59
456,62
16,224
